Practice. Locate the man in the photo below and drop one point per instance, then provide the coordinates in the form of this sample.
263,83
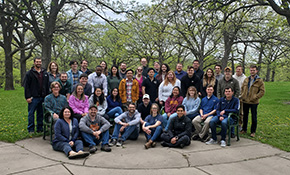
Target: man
144,108
84,67
207,110
226,105
97,79
129,89
156,66
94,129
123,68
145,67
227,81
179,130
127,124
197,71
55,101
73,74
179,73
252,90
36,88
65,84
218,72
150,86
84,82
191,79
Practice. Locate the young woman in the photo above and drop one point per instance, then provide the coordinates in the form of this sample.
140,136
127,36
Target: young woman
66,131
114,78
114,104
162,72
52,71
79,102
165,88
208,78
171,103
98,99
105,68
152,126
139,77
191,102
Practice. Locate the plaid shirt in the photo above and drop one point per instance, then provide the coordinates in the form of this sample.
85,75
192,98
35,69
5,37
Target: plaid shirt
75,78
129,85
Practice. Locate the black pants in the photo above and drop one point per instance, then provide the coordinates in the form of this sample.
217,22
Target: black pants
254,116
182,140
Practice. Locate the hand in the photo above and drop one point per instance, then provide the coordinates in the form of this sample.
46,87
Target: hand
156,99
161,102
29,100
173,140
84,114
55,116
97,134
71,143
168,114
204,116
221,118
222,112
122,128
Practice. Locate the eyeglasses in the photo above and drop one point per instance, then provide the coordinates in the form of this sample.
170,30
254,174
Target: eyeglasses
139,69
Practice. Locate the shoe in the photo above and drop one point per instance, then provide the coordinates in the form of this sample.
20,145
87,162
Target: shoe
252,134
31,132
233,135
196,137
72,155
112,142
153,144
181,145
211,142
148,144
119,143
106,148
93,149
82,154
164,144
223,143
243,132
240,128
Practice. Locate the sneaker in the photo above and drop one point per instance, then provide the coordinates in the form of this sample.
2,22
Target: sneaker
112,142
119,143
223,143
153,144
211,142
82,154
106,148
233,135
243,132
181,145
196,137
164,144
92,149
252,134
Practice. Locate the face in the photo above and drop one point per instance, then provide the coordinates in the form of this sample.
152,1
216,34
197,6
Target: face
53,67
114,70
217,69
131,108
103,64
74,66
175,91
179,67
98,92
253,71
151,73
123,66
228,93
209,73
115,92
164,68
99,71
84,80
129,75
66,113
154,109
180,112
80,90
146,101
191,92
144,61
63,77
156,66
195,65
228,73
170,76
209,91
84,64
93,112
139,70
190,72
37,63
55,89
239,71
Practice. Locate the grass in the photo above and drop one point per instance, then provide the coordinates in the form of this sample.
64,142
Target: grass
273,116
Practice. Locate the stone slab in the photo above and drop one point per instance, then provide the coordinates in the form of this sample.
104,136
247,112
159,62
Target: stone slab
49,170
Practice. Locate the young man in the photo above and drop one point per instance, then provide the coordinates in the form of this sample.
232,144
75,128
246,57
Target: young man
227,81
207,110
252,90
226,105
35,88
123,69
129,89
73,74
179,130
150,86
84,67
156,66
65,85
191,79
218,72
197,70
128,125
95,129
144,107
145,66
179,73
97,79
84,82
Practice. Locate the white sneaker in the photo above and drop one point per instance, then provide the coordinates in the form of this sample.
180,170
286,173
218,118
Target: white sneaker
211,142
223,143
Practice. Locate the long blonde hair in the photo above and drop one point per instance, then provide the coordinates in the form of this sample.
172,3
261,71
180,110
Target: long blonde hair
166,81
206,78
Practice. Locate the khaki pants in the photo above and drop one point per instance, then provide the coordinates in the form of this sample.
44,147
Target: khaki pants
241,113
201,131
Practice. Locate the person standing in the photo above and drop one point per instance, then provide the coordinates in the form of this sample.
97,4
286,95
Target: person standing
144,67
123,70
252,90
218,73
179,73
35,89
84,82
190,79
197,70
98,79
73,74
228,80
150,86
84,67
52,71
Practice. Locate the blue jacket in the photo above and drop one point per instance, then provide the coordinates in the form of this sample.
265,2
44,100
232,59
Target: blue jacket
70,77
112,104
231,106
207,105
61,131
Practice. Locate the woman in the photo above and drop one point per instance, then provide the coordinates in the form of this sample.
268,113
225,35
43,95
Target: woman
191,102
139,77
171,103
152,126
208,78
98,99
162,72
53,73
105,68
66,131
114,104
79,102
114,78
165,88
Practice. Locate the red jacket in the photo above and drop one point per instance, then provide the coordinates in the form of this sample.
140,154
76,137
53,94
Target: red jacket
171,103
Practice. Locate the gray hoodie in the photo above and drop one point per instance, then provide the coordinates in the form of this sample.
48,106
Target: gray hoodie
133,120
100,123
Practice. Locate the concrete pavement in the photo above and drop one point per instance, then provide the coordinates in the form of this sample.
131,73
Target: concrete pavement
35,156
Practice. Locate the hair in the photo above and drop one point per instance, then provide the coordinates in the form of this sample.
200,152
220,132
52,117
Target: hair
166,81
105,71
154,104
218,65
84,75
73,62
190,67
210,86
52,85
117,73
179,63
99,99
180,106
168,68
129,70
99,66
36,58
62,110
131,103
178,90
206,78
63,72
85,61
196,61
194,89
239,66
156,62
117,96
229,87
150,69
49,67
82,95
254,66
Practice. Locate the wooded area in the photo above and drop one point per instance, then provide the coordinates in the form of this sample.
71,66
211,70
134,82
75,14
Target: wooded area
228,32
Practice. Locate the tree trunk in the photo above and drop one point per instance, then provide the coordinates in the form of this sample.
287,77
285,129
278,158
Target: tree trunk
22,66
227,51
268,73
273,75
46,51
8,70
260,56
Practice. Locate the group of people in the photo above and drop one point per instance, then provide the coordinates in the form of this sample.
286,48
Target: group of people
166,105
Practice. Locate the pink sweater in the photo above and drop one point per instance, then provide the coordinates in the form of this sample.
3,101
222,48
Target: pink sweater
79,106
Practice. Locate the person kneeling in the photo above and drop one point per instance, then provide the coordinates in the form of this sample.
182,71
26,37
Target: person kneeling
94,129
179,130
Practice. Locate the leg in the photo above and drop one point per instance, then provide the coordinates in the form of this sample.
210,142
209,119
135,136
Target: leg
89,138
246,114
31,109
62,146
78,145
105,136
134,135
130,130
213,122
205,127
39,115
241,114
169,120
185,140
254,108
224,125
165,120
148,137
192,116
116,131
113,113
196,123
156,133
165,137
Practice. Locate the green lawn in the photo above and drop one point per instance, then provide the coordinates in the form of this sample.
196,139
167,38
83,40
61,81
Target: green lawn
273,116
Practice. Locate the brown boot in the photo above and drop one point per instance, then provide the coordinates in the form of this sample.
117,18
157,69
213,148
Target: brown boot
148,144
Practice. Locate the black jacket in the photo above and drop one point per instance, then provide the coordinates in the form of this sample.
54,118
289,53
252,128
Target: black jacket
144,111
180,127
186,82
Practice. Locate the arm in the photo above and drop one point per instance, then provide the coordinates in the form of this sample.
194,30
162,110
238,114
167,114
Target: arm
167,105
57,132
48,105
219,95
136,120
83,126
261,91
105,125
86,104
91,82
77,131
109,84
91,100
195,108
105,85
187,131
160,92
72,104
235,108
119,118
104,108
143,89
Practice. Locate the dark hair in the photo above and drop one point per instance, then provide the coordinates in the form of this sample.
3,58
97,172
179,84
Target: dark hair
83,75
117,74
254,66
196,61
210,86
239,66
229,87
129,70
36,58
99,66
190,67
49,66
180,106
131,103
150,69
178,90
218,65
72,62
63,72
168,68
62,110
99,99
117,97
85,61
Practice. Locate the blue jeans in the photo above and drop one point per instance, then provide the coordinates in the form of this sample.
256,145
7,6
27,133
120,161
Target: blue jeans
166,121
35,105
224,125
130,132
93,141
155,132
115,112
66,148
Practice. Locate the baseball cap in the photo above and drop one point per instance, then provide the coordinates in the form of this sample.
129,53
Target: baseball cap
146,96
228,68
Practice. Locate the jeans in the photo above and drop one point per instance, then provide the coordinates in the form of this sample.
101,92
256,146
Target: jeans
224,125
93,141
182,140
66,148
130,132
192,116
35,105
166,121
115,112
155,132
246,115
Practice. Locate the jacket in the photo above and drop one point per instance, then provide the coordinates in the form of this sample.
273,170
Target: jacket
131,120
101,107
180,127
255,92
222,84
134,91
186,82
231,106
171,103
89,126
61,131
79,106
70,77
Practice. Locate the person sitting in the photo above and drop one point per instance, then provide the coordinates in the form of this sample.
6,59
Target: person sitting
171,103
114,104
208,79
207,110
79,102
226,105
150,86
66,131
84,82
100,101
114,78
152,126
144,107
94,129
179,130
191,103
65,85
128,125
